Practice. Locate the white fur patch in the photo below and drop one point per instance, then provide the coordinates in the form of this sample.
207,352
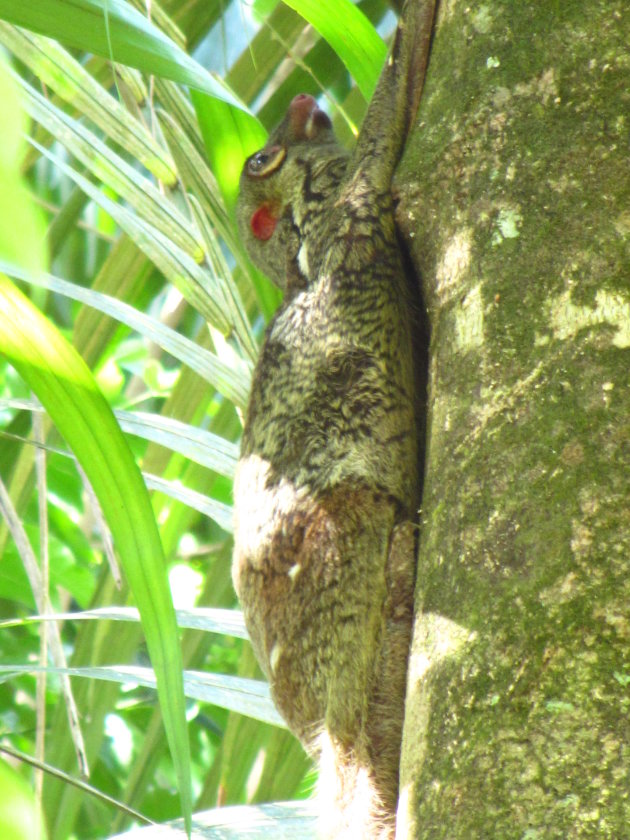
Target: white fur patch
349,804
274,657
259,509
294,571
303,261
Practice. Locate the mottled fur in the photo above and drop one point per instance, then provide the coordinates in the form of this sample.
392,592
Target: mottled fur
326,491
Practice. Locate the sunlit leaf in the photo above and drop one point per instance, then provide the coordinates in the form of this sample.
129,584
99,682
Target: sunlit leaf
210,620
245,696
115,30
20,818
220,513
277,821
232,382
21,224
64,74
350,34
230,136
64,385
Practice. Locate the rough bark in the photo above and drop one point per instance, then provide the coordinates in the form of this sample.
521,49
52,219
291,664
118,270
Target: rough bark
515,198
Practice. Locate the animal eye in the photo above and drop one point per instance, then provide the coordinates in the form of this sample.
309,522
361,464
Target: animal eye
258,161
263,163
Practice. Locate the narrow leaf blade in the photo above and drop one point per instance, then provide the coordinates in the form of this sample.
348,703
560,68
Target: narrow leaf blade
350,34
115,30
65,386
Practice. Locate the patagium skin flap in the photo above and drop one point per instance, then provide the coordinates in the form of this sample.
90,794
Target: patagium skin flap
326,490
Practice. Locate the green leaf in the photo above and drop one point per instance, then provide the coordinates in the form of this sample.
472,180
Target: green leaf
208,619
233,382
297,820
199,445
350,34
229,136
115,30
195,283
56,68
19,815
238,694
220,513
22,228
113,171
68,391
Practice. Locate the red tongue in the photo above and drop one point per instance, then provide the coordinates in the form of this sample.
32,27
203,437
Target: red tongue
263,223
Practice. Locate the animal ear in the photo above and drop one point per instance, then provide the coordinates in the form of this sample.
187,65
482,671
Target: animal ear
306,118
263,222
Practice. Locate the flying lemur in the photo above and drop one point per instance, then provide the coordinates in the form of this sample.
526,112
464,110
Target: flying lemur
327,487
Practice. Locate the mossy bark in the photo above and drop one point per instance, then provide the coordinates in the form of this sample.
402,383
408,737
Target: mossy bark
515,199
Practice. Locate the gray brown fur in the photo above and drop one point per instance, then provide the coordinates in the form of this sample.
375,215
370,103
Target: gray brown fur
326,491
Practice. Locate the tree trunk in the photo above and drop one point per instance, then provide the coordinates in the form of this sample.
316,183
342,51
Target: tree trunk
515,198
